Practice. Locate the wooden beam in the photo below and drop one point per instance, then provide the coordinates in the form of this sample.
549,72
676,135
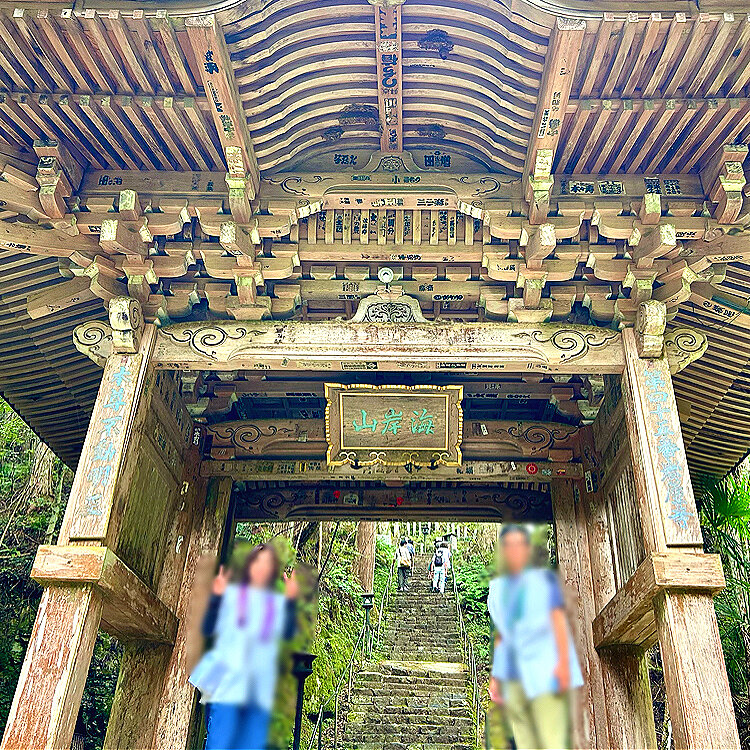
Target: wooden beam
30,238
557,81
131,610
468,347
390,86
334,501
316,470
48,695
211,55
629,615
523,440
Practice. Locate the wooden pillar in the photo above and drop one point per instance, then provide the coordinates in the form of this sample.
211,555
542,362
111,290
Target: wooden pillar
45,706
133,718
627,704
48,694
698,695
178,698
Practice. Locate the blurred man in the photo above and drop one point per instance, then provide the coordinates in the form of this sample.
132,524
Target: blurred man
535,663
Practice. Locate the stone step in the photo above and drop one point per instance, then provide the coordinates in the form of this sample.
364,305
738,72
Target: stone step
417,733
372,679
389,745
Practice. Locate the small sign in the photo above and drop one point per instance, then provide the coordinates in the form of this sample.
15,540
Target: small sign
393,425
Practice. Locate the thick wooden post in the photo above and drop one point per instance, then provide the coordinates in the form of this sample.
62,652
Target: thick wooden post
627,691
698,696
164,497
589,727
45,706
178,699
48,695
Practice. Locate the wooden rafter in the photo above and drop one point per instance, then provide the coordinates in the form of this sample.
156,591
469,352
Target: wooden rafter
390,77
209,49
557,82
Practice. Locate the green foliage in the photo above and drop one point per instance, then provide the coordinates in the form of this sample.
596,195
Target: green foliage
28,519
725,518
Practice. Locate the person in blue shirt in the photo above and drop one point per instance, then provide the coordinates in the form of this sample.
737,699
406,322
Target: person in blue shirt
535,664
237,675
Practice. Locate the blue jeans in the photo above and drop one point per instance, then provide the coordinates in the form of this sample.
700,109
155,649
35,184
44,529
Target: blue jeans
234,727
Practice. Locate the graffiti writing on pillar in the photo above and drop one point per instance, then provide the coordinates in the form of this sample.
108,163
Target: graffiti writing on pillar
671,456
100,473
389,76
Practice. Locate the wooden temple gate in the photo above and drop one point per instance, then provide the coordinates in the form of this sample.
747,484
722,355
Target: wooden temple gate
149,499
225,210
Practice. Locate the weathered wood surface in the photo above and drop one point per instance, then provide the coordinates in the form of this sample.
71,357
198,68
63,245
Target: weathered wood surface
467,347
588,705
699,699
100,486
524,502
130,608
629,615
314,470
698,696
178,697
626,701
143,670
665,492
277,438
50,686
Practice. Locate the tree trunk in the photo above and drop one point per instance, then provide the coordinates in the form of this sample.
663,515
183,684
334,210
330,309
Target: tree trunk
365,568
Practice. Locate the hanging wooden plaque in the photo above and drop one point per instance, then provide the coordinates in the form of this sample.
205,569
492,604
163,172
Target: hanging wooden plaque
393,425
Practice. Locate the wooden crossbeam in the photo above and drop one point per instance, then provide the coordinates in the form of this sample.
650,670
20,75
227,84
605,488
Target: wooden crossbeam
629,616
131,608
315,470
209,48
306,438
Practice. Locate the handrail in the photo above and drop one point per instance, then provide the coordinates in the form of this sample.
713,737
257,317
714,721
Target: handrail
348,671
469,657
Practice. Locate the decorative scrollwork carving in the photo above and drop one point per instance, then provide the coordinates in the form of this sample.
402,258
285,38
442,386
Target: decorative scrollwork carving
684,346
94,339
389,307
573,342
206,338
540,435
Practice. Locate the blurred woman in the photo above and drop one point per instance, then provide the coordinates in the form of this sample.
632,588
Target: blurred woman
237,676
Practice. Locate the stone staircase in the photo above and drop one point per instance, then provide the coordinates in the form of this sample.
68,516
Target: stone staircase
418,696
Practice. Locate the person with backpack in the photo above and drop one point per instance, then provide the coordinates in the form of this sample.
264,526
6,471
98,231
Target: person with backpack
403,565
439,568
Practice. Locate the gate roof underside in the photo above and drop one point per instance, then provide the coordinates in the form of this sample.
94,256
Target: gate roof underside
125,99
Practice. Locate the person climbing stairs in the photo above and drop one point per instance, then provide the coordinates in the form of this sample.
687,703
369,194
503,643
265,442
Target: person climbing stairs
418,697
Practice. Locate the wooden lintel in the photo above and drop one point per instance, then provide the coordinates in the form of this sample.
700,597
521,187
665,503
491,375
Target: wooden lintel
344,346
316,470
628,618
131,609
331,500
305,438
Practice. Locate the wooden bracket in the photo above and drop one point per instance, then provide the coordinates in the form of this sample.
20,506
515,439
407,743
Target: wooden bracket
131,609
628,618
